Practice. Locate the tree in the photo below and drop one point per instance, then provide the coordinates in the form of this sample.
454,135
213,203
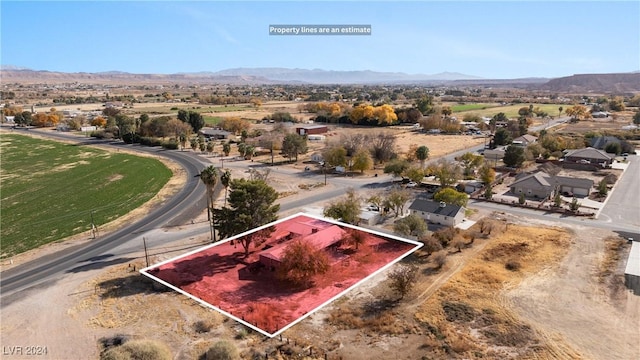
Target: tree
383,147
301,261
234,125
602,188
451,196
578,112
183,115
362,161
294,144
250,205
446,111
414,173
458,243
636,117
226,148
613,148
487,174
353,237
403,278
411,225
396,167
209,177
560,111
425,104
196,121
575,205
431,244
470,162
422,154
488,192
521,199
335,155
225,179
395,200
514,156
447,172
439,258
502,137
346,210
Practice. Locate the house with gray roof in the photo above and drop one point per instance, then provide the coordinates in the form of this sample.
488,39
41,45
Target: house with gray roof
601,142
541,185
589,155
438,212
214,133
524,140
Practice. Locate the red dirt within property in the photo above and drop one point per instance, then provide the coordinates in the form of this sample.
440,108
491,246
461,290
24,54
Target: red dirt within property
247,288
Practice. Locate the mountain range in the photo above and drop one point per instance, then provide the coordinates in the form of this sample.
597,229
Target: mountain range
581,83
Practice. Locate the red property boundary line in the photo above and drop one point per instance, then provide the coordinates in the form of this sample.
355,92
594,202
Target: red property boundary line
145,271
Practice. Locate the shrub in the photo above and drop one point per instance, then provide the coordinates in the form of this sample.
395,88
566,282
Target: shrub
202,326
431,244
138,350
222,350
170,144
439,258
512,265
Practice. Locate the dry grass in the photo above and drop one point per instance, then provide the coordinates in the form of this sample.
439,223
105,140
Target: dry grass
467,316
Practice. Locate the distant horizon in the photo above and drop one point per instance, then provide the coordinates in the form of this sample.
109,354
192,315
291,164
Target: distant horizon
12,67
485,39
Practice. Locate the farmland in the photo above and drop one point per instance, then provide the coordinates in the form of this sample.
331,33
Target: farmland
511,111
52,190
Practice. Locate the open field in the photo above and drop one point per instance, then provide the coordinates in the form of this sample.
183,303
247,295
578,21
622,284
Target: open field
511,111
52,190
457,107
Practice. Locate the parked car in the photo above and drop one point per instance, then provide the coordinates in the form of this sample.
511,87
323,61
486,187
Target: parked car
412,184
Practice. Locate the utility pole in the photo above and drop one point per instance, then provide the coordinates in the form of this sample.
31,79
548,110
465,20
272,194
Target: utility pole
93,225
146,254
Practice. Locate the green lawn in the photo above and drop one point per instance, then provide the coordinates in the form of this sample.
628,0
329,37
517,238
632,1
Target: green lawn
50,189
467,107
511,110
212,120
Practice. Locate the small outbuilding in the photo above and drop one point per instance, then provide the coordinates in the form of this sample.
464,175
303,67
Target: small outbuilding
632,271
312,130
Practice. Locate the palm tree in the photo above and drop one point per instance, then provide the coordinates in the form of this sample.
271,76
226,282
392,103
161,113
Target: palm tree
209,177
225,179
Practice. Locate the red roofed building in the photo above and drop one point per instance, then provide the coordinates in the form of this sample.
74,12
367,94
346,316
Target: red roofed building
318,238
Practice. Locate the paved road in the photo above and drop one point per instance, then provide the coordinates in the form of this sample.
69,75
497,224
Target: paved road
182,207
623,205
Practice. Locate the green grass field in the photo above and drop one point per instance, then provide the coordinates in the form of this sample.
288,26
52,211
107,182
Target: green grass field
510,110
212,120
467,107
50,189
166,108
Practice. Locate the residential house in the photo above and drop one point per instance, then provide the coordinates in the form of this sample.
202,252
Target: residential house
214,133
601,142
317,157
438,212
541,185
318,238
524,140
590,156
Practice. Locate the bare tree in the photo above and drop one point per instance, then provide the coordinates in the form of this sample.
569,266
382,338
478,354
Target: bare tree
403,278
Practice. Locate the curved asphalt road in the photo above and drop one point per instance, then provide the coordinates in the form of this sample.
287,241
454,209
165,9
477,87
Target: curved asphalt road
179,209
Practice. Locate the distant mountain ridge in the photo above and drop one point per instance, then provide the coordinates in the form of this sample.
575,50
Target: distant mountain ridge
319,76
606,83
581,83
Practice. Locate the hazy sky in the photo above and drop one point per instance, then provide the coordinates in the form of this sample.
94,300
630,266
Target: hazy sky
491,39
